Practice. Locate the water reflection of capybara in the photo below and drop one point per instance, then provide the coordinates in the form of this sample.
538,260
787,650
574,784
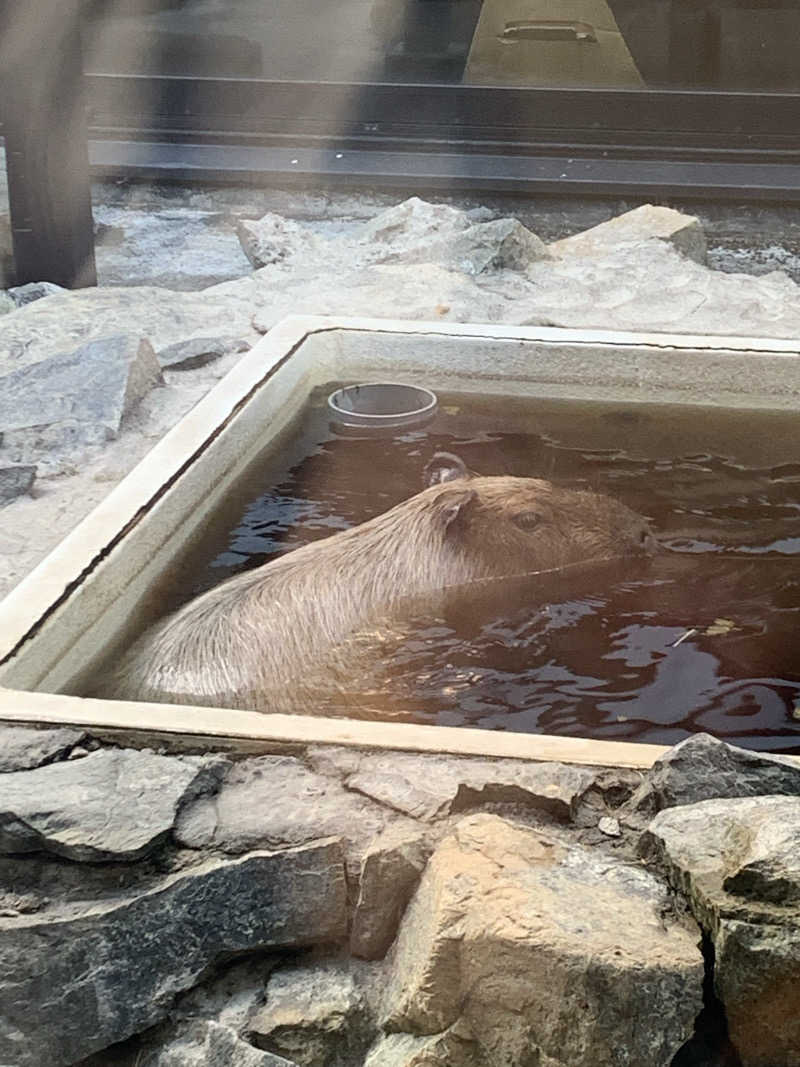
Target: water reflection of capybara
257,640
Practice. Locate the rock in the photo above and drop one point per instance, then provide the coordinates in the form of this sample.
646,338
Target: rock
273,239
702,768
504,244
13,904
550,953
108,235
498,245
413,222
59,324
315,1016
78,752
96,385
114,966
208,1044
610,827
26,294
736,860
272,801
428,787
6,303
14,481
231,995
112,804
390,870
197,351
647,222
386,290
23,747
454,1047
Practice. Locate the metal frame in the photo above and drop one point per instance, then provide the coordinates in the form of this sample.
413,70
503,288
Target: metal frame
593,142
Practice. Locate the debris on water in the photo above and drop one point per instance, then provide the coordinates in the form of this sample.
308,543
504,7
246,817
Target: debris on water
683,637
720,626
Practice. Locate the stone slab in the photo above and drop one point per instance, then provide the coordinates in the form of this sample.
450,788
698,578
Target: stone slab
430,787
272,801
81,979
22,748
97,384
643,223
113,804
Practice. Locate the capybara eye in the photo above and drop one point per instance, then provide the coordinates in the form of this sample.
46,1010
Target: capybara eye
528,520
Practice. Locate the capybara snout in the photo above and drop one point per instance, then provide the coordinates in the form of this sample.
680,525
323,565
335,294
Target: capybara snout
255,640
518,525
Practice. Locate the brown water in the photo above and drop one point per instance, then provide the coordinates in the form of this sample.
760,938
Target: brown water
701,638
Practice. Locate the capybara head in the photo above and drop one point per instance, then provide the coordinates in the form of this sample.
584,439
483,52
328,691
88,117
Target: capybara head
516,525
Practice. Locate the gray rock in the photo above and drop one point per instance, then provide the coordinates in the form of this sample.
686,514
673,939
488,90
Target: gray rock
644,223
14,481
208,1044
390,870
315,1016
702,768
198,351
455,1046
23,747
503,244
414,222
6,303
26,294
273,239
231,995
112,804
429,787
272,801
737,863
113,967
97,385
610,827
552,954
61,323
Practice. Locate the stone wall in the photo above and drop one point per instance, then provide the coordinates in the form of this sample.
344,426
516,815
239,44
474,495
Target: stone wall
337,907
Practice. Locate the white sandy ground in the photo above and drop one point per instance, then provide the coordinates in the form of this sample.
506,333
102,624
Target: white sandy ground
31,526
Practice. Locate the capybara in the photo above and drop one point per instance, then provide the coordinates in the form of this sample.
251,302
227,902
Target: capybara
260,639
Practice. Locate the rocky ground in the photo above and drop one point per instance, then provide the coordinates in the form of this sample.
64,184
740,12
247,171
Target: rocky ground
337,907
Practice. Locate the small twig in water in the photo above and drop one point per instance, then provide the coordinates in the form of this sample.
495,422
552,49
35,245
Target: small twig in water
683,637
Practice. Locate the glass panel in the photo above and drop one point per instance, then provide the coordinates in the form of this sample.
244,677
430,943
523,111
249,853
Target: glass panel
715,44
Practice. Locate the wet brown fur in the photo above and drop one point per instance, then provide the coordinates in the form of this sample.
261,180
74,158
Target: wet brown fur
255,640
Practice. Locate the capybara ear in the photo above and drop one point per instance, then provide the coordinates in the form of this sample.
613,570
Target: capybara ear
445,467
454,508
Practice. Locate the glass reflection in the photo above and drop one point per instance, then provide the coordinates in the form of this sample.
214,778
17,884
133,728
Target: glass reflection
714,44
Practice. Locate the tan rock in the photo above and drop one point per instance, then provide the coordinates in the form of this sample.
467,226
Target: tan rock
390,870
683,232
546,951
455,1046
